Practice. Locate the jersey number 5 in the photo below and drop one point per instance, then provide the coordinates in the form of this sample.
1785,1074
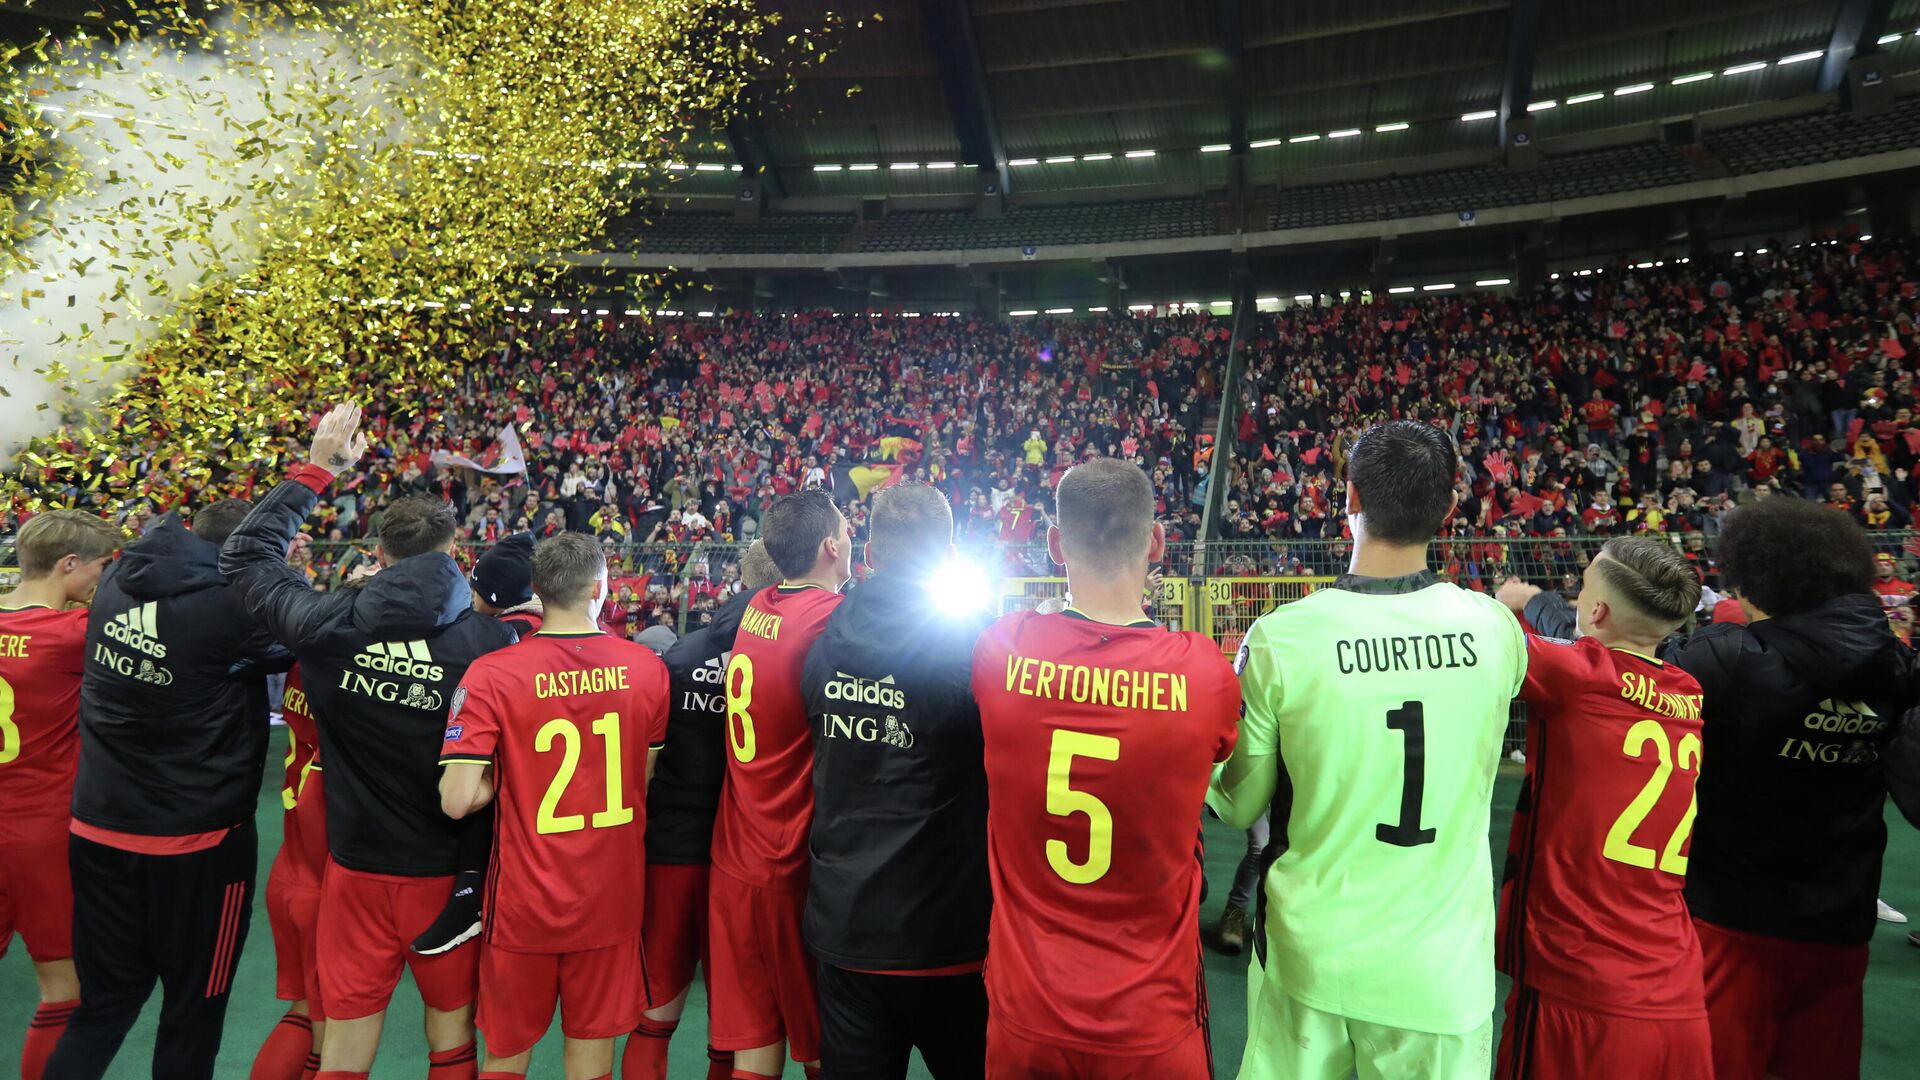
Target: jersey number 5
9,731
1063,801
1410,720
1620,846
567,733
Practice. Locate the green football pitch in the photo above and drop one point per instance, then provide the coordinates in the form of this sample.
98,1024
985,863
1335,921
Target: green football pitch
1893,979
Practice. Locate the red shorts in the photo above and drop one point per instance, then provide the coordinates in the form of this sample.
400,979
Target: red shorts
760,986
1780,1008
674,926
36,898
1546,1038
293,911
601,993
1015,1057
367,926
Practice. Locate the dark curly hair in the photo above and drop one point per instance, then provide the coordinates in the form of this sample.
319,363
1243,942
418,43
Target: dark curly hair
1787,556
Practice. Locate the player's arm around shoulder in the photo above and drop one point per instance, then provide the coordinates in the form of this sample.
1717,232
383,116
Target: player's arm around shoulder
1242,788
1510,641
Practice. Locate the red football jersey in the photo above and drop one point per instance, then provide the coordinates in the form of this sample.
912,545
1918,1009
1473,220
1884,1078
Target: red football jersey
766,808
1592,911
1099,743
42,652
304,826
566,720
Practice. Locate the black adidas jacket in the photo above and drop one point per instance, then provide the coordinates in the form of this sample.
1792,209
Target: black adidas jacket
380,665
899,879
173,702
1799,714
684,795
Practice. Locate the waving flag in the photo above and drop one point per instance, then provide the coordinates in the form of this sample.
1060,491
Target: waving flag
504,457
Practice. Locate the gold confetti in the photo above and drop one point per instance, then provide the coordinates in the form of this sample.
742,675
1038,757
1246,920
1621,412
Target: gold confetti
279,205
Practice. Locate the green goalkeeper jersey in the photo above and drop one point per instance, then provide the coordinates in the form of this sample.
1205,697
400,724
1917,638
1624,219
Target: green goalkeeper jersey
1384,701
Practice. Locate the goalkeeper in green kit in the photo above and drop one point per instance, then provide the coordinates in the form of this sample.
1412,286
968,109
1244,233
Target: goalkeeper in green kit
1374,715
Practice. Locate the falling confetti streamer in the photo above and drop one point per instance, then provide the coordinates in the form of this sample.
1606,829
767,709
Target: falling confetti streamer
222,222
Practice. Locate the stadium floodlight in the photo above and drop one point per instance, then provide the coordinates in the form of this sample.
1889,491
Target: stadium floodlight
1258,300
940,165
1888,39
1020,161
1219,303
739,168
1023,312
1216,148
1096,157
1101,310
708,166
1636,88
1059,311
1303,298
1343,133
862,168
1483,114
633,311
1759,251
1137,154
1742,69
826,168
1060,159
676,166
1263,144
1582,99
1698,76
1398,289
558,311
909,314
1542,106
1555,276
1139,307
704,314
1739,254
633,165
1304,138
1440,287
1494,282
1802,57
1866,236
1397,125
904,166
596,311
959,588
1648,265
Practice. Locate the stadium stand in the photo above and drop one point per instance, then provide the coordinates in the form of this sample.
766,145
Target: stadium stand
1830,135
1050,225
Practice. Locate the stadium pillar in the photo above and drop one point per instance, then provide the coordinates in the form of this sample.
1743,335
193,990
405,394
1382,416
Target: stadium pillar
1530,271
1220,469
986,299
1890,211
1116,294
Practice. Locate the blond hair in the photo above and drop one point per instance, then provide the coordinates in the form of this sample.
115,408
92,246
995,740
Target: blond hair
49,537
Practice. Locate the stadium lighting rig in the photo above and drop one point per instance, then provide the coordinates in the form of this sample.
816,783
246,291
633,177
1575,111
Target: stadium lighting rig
959,587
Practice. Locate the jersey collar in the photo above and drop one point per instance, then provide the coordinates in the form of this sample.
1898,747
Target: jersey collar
26,607
1143,622
1386,586
1642,656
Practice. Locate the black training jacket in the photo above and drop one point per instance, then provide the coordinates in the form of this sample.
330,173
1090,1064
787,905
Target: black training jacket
380,664
684,795
899,879
1799,713
173,702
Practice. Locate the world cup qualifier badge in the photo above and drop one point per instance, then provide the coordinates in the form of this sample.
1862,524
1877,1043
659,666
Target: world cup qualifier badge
453,711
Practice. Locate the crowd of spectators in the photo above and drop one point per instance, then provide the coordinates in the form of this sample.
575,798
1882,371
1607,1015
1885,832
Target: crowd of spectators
667,438
1634,399
1637,399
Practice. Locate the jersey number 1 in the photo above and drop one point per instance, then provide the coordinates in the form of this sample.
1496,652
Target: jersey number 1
1410,720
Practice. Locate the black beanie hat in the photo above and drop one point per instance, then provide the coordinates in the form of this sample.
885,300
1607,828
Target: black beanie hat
503,576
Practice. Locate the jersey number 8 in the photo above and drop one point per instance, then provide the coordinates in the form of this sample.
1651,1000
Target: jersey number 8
739,697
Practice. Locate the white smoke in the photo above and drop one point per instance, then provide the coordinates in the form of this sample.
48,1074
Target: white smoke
176,172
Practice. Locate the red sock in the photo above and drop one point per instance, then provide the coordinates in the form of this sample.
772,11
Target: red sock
645,1057
502,1076
49,1020
311,1071
285,1052
719,1064
812,1071
462,1063
338,1074
743,1074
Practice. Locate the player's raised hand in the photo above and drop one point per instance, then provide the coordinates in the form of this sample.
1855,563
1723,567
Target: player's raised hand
1515,593
338,442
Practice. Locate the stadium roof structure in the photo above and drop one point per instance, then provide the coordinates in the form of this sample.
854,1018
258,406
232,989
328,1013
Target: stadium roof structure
942,97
